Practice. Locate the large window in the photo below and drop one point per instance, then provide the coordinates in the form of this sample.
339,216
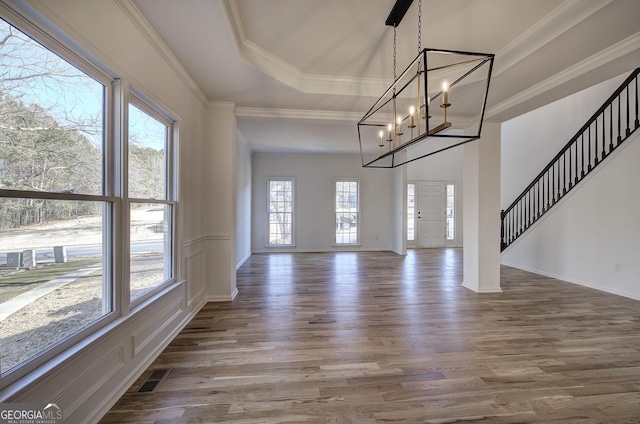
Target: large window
347,211
150,201
281,211
64,216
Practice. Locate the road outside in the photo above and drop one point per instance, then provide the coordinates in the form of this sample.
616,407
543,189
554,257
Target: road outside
41,306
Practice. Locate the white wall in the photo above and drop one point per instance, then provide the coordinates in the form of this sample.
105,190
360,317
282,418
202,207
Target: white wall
592,229
243,200
315,222
596,226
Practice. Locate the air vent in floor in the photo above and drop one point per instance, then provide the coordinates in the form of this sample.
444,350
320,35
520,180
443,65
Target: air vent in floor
151,384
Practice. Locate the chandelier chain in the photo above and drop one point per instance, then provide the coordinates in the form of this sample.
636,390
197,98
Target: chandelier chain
394,52
419,26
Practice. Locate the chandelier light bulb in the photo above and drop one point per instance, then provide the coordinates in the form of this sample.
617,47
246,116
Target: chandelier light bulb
445,92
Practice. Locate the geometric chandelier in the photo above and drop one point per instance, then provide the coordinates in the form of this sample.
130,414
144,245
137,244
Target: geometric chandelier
435,104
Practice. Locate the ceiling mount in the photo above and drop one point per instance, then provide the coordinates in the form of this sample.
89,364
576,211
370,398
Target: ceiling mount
398,12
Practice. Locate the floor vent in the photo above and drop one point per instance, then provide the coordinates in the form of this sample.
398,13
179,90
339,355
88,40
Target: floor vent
151,384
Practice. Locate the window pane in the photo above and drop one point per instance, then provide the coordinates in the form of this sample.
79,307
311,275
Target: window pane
411,198
450,212
51,280
280,212
151,247
147,156
51,137
346,210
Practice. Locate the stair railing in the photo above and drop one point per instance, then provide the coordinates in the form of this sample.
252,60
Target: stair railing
607,129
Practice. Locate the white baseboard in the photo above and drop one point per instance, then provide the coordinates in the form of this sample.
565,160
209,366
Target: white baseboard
571,280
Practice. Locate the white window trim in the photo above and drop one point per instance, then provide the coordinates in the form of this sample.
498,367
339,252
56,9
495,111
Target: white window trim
147,106
359,235
293,212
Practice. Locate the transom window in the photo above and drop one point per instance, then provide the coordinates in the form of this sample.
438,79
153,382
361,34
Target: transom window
281,211
347,211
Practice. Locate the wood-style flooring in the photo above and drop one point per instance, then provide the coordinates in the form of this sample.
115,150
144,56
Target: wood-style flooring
381,338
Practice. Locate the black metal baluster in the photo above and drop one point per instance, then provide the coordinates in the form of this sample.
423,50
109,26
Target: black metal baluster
513,228
558,177
564,173
502,243
619,113
520,217
582,157
535,203
547,198
596,145
570,167
637,120
628,118
589,150
611,128
530,200
604,137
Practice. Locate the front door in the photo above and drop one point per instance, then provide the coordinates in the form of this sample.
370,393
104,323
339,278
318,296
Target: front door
431,214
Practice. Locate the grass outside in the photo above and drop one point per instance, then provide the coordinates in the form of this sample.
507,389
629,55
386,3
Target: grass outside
14,282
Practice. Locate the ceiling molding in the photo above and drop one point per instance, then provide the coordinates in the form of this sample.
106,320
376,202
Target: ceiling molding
297,114
138,19
221,105
603,57
560,20
564,17
324,115
259,58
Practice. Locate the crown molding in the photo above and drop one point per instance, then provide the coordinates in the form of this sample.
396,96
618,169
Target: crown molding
297,114
259,58
221,105
560,20
609,54
145,28
325,115
564,17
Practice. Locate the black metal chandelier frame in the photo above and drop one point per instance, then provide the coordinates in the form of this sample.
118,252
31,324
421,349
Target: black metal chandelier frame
475,67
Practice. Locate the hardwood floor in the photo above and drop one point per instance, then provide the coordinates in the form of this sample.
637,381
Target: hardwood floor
380,338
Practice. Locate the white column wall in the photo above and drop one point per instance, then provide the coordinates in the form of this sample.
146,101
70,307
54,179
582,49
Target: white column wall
243,200
400,209
220,197
481,210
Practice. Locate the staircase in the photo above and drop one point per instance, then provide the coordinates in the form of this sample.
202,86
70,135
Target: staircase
608,128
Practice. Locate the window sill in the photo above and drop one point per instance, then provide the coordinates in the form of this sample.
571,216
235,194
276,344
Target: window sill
279,246
346,245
